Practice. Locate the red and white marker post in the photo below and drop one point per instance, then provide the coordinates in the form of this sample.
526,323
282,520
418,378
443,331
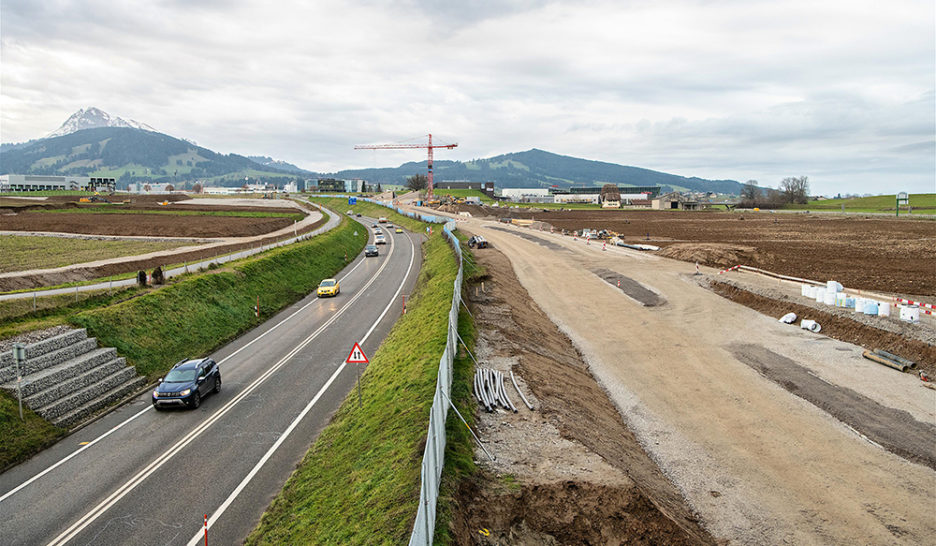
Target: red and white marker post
206,529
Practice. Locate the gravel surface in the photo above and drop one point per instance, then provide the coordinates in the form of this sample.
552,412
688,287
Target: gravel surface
32,337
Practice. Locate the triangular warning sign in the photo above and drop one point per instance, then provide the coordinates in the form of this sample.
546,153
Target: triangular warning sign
357,356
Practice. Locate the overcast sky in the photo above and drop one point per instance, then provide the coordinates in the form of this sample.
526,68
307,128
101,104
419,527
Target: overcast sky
839,91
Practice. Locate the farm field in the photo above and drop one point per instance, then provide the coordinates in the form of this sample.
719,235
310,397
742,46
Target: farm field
23,253
880,253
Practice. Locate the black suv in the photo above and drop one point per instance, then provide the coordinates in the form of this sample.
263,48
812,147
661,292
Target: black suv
187,383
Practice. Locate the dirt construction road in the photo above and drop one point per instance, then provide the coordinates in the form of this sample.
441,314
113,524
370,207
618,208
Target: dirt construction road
700,381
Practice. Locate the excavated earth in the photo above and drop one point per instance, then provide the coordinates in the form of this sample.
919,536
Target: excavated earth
870,252
570,471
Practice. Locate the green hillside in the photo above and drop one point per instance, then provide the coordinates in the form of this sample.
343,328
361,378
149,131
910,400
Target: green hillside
540,169
133,155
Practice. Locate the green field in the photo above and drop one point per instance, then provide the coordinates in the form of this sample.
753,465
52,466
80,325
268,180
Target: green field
461,194
923,203
359,483
340,204
25,253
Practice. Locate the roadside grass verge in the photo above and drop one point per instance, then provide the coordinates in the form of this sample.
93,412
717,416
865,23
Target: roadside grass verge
359,482
374,211
25,253
22,439
193,316
461,194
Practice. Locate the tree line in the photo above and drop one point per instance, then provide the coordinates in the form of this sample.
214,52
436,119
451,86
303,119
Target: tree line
792,190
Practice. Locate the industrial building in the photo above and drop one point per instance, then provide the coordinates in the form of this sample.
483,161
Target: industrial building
485,187
673,201
30,182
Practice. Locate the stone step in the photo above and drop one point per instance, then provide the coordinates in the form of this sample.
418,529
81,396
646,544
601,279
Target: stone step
106,399
78,398
49,345
59,387
52,376
49,359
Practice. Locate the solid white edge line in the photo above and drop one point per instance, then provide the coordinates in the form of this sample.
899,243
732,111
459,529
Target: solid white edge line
197,538
26,483
138,478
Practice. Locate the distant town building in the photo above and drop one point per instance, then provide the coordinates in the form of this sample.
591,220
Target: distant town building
485,187
338,185
674,201
30,182
520,194
593,198
653,191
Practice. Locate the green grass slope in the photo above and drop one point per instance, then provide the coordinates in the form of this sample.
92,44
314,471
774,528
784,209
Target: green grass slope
921,202
359,483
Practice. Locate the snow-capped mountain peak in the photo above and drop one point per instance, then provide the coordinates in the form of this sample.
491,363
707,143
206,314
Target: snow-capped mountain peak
92,118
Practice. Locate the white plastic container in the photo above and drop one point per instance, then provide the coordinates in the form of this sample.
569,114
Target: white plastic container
884,309
859,305
810,325
829,298
910,313
803,289
871,308
840,299
820,295
833,287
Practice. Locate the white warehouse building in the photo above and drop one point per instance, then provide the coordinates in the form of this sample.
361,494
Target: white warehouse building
32,182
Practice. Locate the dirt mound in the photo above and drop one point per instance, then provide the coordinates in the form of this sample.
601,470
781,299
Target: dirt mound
572,512
713,254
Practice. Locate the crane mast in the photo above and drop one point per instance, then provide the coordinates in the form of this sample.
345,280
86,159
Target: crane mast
430,146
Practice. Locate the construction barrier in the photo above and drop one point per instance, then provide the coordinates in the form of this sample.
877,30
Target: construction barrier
732,268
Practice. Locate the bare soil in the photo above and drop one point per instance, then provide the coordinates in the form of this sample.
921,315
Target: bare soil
577,474
868,252
764,430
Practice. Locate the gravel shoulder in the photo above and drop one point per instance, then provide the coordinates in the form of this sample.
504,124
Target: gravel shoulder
758,464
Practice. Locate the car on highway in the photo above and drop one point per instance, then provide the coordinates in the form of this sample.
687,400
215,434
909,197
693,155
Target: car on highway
358,215
377,231
374,225
187,383
380,240
399,229
382,220
328,287
370,250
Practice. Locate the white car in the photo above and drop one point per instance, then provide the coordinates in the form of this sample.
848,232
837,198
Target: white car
380,240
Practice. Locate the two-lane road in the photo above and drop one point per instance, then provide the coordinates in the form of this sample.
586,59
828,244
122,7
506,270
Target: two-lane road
149,477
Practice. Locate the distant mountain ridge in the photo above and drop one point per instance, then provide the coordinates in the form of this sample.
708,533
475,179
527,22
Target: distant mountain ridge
94,143
540,169
94,118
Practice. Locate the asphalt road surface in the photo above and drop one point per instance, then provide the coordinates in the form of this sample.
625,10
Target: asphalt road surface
150,477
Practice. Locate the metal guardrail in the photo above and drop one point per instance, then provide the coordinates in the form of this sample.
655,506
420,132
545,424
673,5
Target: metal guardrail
434,453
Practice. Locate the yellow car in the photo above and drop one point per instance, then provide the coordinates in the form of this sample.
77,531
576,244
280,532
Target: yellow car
328,287
399,230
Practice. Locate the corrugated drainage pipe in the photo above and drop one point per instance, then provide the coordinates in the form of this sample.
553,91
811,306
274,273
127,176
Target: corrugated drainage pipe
909,363
885,361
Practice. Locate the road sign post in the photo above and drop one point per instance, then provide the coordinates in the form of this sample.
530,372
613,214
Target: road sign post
19,354
902,199
357,356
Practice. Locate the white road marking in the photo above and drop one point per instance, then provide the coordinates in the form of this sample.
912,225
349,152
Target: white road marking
137,479
141,412
199,536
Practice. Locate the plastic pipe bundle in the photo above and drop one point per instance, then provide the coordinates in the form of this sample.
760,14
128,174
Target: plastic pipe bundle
885,361
490,390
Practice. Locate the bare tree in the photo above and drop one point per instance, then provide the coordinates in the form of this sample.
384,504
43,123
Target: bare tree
417,182
198,188
749,190
795,189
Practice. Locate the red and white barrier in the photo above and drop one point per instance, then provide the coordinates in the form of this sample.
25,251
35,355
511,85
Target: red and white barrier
732,268
917,303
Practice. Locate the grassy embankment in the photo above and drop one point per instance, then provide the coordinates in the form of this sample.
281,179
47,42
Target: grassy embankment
359,483
461,194
24,253
191,316
924,203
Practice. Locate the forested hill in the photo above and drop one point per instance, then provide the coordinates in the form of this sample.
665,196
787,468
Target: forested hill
130,155
539,169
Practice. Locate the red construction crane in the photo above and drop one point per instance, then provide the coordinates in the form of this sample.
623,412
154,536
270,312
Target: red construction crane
429,146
